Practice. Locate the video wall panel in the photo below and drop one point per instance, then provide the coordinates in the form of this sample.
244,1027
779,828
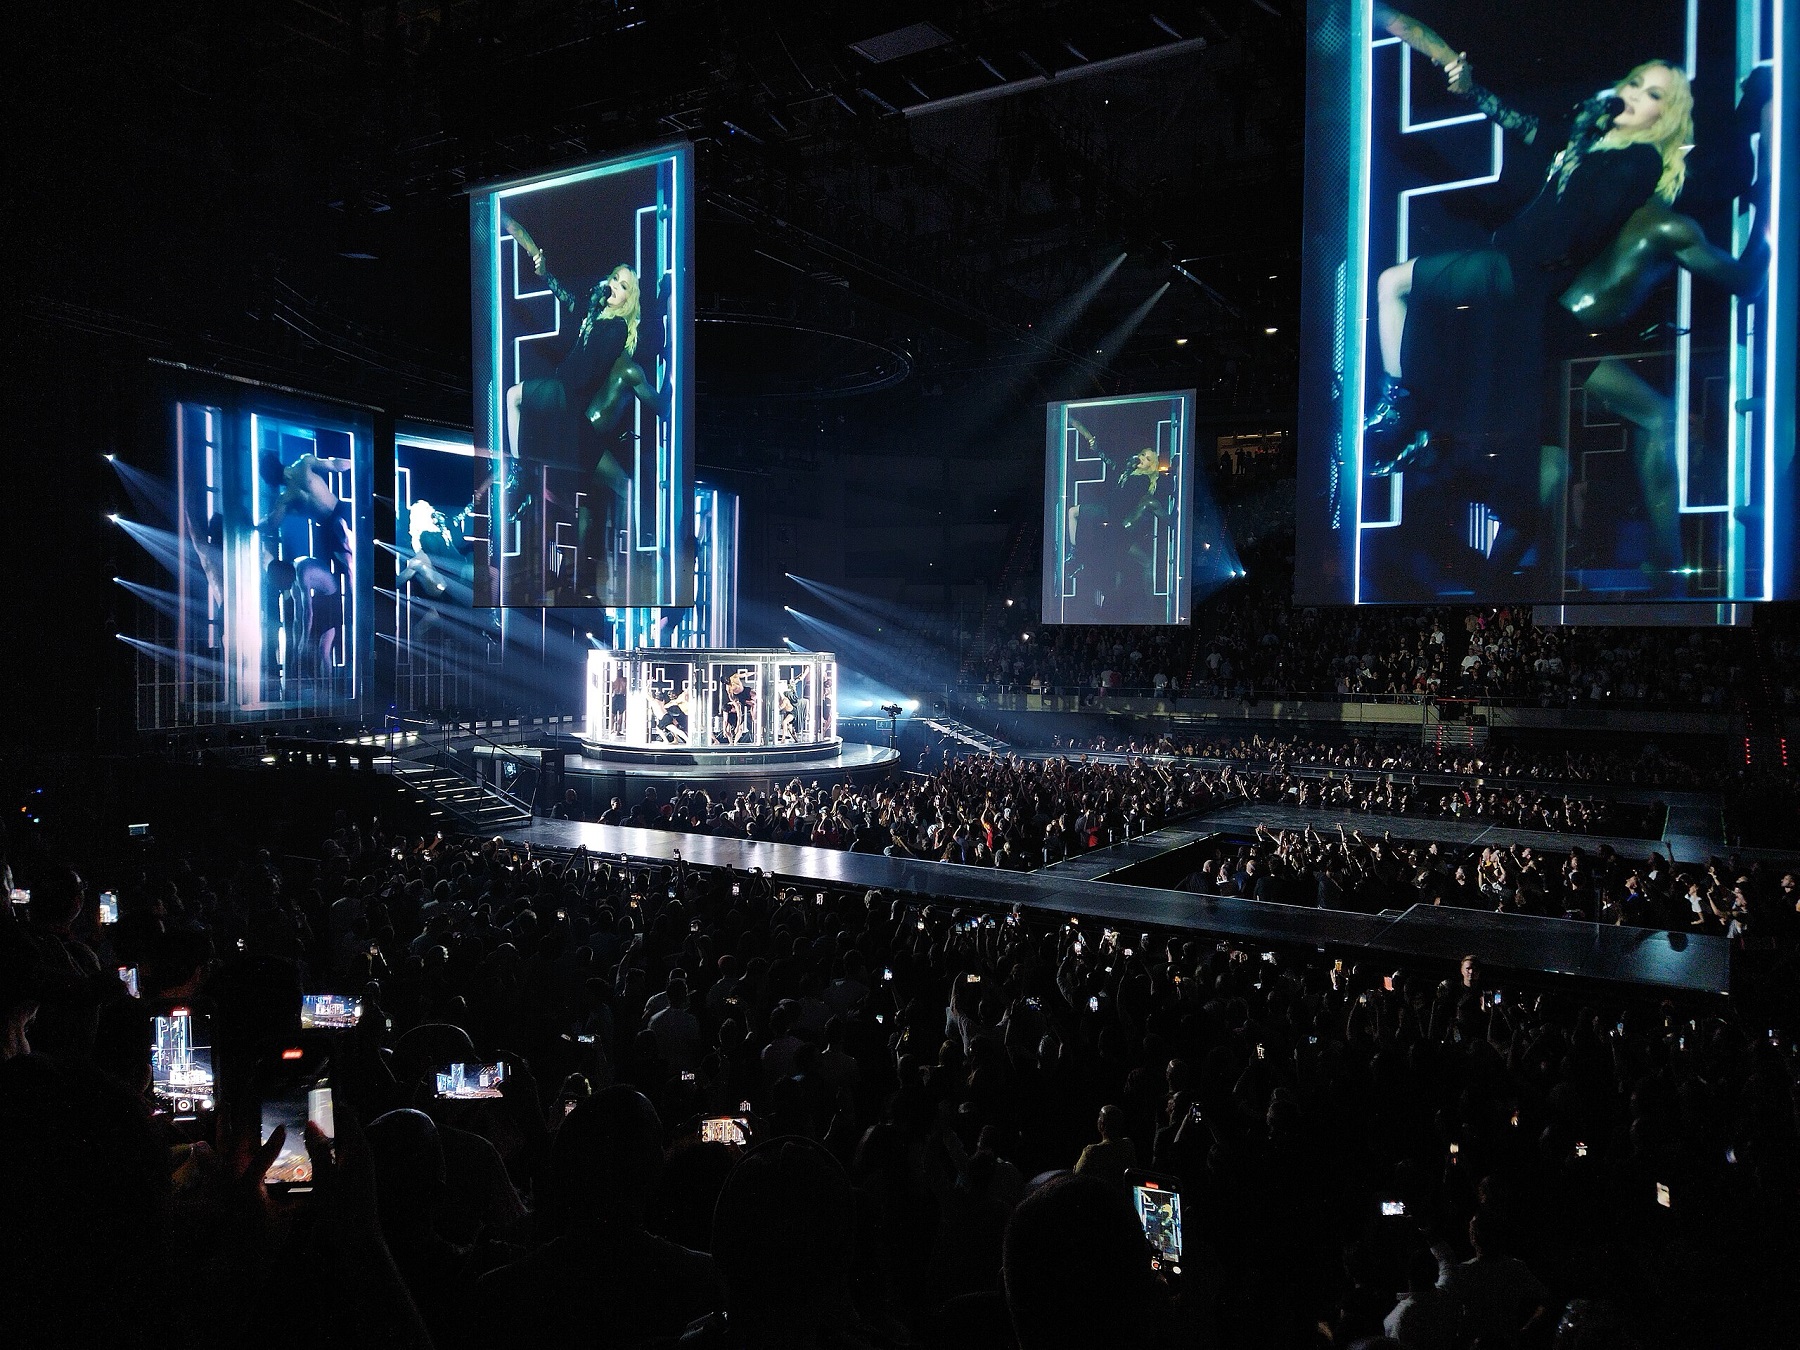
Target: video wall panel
271,614
711,621
1119,509
1548,330
583,360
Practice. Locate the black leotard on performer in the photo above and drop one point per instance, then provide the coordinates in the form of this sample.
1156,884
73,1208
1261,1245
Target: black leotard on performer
1474,346
553,410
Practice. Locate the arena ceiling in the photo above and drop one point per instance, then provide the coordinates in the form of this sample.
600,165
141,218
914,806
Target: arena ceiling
282,184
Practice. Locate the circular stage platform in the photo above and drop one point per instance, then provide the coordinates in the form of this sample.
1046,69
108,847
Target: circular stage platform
598,778
726,718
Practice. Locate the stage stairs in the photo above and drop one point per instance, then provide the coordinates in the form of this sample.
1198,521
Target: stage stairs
480,808
966,736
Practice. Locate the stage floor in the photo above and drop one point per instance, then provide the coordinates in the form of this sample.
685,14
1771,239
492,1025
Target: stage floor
1677,962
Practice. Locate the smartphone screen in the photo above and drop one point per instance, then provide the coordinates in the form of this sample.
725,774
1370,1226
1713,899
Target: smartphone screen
1159,1211
733,1130
329,1012
294,1106
1393,1209
469,1082
128,977
109,907
181,1067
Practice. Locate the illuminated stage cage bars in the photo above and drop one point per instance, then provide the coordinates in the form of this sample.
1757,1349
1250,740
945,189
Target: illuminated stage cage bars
724,703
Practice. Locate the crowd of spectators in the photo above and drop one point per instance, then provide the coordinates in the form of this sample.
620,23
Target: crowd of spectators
1248,642
1399,795
1000,811
1645,763
941,1106
1335,869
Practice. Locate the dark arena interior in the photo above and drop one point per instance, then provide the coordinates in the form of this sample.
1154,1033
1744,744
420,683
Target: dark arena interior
865,676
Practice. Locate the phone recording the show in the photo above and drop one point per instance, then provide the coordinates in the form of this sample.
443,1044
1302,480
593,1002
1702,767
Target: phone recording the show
1157,1200
292,1104
181,1063
732,1130
329,1012
108,907
470,1082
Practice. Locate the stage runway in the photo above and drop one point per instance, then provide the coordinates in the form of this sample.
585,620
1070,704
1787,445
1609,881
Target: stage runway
1244,817
1695,827
1675,962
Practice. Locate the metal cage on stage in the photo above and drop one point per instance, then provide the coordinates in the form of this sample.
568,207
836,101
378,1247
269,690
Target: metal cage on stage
672,703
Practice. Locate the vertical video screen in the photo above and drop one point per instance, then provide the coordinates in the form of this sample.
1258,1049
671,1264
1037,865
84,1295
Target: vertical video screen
275,500
440,529
1547,353
583,321
1118,510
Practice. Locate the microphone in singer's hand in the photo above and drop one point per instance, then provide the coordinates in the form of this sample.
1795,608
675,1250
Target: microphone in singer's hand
1595,115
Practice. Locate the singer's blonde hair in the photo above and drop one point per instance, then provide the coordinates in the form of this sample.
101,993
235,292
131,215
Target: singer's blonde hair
631,308
1672,133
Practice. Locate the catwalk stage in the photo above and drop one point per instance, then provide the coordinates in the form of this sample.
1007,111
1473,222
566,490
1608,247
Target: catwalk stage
1673,962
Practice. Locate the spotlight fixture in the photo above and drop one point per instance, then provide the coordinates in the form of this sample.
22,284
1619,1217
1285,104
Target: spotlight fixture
113,516
1181,342
109,458
1271,330
1009,604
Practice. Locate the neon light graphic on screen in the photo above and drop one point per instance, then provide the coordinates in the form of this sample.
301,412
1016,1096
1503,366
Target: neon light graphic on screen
1755,359
1093,571
660,255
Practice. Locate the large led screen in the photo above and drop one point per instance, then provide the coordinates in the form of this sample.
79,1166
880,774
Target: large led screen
711,621
274,529
583,322
1548,337
1119,509
440,527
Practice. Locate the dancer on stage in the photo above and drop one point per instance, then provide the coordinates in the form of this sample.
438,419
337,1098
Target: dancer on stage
669,721
615,694
737,717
